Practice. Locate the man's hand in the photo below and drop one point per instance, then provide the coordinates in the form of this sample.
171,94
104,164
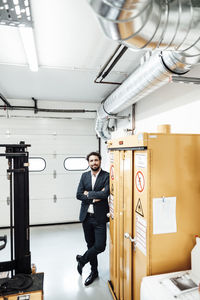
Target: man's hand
85,193
97,200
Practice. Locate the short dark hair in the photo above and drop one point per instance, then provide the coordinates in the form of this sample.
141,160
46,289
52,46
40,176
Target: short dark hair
93,153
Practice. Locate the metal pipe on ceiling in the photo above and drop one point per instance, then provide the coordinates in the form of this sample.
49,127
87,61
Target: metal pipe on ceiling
5,100
52,110
171,29
170,25
35,108
189,80
109,65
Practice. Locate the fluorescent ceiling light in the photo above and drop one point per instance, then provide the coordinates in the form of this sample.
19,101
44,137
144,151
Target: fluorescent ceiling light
18,13
29,47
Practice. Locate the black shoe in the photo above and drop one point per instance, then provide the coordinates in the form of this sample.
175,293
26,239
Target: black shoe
80,265
91,278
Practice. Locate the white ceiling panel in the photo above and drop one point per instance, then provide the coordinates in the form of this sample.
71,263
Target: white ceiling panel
71,50
68,34
11,50
51,84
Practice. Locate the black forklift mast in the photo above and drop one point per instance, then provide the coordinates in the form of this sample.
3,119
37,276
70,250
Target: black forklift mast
18,174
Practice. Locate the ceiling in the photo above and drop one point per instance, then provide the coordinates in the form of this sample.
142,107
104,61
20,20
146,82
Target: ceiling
71,49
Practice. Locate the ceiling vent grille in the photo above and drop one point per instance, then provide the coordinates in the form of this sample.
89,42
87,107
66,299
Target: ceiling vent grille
15,13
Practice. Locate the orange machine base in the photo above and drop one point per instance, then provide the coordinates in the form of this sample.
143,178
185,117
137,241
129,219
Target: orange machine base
35,292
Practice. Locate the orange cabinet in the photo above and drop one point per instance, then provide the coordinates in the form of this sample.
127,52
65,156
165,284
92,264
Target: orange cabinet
155,186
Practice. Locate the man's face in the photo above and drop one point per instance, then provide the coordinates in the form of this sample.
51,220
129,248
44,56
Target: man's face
94,163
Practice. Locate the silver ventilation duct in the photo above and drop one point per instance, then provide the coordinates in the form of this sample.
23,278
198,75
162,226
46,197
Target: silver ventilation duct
167,24
170,28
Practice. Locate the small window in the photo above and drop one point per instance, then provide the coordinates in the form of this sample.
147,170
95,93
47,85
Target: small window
36,164
75,164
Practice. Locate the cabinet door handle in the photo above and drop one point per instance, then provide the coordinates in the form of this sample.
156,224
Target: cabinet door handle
127,236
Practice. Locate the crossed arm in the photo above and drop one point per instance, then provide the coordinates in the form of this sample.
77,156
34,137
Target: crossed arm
94,200
90,197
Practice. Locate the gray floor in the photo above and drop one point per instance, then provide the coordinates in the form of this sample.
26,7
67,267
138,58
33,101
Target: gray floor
53,250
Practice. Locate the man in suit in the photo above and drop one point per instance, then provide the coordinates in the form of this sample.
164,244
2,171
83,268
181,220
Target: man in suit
93,191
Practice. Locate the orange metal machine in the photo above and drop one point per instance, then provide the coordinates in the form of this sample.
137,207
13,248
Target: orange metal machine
154,207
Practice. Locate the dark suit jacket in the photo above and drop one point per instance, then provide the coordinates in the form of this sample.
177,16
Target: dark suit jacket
100,208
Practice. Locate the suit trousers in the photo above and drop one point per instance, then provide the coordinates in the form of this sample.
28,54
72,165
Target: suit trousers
95,237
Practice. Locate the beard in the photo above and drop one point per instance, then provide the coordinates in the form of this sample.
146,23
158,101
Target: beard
95,168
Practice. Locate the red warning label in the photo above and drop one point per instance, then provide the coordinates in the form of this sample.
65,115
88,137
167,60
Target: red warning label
139,181
112,172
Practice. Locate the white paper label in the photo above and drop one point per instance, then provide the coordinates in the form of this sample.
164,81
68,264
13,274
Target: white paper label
141,160
164,215
141,234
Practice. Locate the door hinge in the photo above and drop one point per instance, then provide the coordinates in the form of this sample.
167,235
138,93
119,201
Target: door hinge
8,200
54,198
124,155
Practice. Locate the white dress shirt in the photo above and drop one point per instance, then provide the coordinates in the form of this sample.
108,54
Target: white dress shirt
94,178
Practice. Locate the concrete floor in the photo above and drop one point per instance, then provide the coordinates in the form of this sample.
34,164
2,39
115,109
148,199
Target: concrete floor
53,251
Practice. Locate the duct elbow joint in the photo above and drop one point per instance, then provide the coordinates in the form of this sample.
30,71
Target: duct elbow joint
174,63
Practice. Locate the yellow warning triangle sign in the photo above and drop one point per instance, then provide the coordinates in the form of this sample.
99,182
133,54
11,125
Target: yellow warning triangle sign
139,209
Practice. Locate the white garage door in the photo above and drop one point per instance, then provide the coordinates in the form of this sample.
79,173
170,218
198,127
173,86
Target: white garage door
53,190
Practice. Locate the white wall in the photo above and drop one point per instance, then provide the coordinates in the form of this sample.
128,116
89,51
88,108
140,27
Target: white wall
105,156
176,104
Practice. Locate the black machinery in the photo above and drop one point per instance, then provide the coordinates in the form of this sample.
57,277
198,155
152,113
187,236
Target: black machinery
4,240
22,283
17,156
